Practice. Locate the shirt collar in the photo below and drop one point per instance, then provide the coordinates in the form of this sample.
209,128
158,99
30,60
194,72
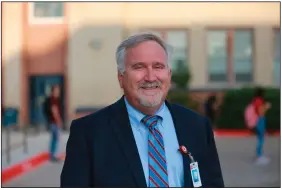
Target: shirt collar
137,116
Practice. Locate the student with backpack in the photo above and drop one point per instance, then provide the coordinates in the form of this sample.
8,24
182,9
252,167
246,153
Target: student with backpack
255,119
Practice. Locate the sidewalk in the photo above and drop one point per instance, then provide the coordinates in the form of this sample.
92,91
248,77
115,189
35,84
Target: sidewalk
36,144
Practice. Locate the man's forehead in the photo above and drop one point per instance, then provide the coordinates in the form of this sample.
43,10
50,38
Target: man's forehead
133,61
146,46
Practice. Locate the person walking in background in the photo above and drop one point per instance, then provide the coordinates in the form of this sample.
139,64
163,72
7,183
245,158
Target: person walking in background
210,108
55,121
260,108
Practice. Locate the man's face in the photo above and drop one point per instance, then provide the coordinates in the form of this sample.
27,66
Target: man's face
147,78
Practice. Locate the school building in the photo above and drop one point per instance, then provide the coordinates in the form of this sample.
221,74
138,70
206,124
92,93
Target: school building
225,45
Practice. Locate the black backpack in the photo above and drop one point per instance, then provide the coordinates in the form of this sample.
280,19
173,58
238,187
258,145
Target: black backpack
47,107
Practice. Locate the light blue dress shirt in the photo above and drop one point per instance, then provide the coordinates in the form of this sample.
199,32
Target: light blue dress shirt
166,127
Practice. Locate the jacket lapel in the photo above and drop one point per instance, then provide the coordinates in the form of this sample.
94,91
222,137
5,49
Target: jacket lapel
123,130
185,137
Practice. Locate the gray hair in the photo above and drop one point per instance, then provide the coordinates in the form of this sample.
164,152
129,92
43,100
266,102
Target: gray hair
135,40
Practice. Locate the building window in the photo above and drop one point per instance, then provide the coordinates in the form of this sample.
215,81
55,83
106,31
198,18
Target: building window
178,41
230,56
217,56
277,56
46,12
242,56
48,9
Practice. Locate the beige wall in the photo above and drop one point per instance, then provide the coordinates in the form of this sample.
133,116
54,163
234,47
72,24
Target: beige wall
185,14
263,55
94,13
92,72
11,51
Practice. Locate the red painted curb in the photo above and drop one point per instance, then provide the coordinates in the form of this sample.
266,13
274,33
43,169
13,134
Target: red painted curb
25,166
240,133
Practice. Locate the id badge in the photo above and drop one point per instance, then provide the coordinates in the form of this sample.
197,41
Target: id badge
195,173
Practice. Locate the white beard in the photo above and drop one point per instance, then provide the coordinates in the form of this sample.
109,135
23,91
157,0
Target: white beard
150,102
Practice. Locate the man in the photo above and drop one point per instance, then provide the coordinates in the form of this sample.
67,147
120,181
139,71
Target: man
135,141
210,108
55,121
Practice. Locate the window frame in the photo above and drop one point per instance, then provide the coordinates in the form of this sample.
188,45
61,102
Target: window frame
274,30
209,82
44,20
251,30
230,72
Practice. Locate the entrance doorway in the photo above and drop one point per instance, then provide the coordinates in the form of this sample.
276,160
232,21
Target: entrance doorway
40,89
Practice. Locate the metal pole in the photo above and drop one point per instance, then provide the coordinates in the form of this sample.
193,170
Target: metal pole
25,144
8,143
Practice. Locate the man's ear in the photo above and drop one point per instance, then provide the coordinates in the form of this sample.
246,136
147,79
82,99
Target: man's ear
120,79
170,72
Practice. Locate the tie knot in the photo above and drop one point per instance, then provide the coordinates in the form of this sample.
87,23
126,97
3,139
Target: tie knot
151,120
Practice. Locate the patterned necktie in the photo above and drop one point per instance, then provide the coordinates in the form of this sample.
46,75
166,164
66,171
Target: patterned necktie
158,176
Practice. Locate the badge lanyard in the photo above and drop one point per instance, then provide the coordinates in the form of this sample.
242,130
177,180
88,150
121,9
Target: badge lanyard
194,169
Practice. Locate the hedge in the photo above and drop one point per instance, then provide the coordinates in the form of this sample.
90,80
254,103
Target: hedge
181,97
232,110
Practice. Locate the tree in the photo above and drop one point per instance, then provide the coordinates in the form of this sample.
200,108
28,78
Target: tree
179,95
181,75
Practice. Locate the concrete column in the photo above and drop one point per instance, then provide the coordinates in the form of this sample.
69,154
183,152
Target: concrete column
11,56
263,55
197,55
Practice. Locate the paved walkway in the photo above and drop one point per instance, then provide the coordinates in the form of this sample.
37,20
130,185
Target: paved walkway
236,155
37,143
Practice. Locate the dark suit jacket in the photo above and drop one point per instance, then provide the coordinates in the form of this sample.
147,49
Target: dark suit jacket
101,150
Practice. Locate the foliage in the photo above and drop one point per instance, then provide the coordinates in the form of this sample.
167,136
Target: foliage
235,102
181,97
181,78
181,75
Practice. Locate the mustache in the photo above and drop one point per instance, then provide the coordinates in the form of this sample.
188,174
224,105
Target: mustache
150,84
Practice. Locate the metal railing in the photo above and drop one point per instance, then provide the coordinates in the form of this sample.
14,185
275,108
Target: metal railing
13,135
14,139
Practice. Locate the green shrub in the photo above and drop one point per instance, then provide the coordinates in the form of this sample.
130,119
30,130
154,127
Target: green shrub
181,75
182,98
235,101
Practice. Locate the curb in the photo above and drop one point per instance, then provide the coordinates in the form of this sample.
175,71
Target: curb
241,133
26,166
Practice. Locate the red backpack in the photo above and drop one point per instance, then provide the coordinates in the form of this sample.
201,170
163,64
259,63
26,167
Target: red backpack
251,117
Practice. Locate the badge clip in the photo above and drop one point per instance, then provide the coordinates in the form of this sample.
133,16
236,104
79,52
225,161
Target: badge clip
184,151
